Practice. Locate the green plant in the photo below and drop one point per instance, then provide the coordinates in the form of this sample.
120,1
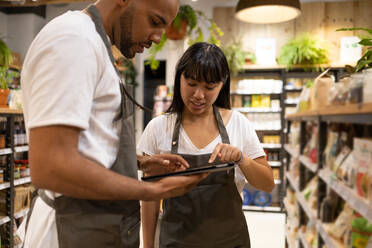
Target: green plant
366,60
6,58
194,32
305,51
130,72
236,56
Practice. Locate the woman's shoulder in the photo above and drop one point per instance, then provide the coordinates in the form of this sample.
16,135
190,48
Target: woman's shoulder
237,116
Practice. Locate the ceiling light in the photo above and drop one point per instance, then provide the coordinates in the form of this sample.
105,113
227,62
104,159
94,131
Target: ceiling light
267,11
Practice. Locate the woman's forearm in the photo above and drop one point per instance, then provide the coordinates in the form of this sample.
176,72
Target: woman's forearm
149,216
258,173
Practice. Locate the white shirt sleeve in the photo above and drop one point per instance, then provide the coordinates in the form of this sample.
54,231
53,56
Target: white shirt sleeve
148,143
251,144
59,81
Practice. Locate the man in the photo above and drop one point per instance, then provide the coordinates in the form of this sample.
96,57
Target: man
81,138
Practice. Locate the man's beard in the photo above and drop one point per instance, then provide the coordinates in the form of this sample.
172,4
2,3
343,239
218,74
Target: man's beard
126,42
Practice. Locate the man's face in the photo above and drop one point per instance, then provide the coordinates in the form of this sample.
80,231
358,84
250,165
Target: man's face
143,23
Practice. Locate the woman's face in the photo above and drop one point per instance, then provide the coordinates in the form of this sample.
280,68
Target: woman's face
198,97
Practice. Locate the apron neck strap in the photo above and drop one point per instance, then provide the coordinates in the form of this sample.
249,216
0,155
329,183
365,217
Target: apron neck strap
221,128
97,20
96,17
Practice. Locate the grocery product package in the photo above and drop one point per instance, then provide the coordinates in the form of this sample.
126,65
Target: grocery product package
319,93
342,222
363,156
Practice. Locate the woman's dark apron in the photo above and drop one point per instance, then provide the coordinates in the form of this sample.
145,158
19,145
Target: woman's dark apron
210,215
102,224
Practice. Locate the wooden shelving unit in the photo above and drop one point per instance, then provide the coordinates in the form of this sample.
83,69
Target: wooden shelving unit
360,114
9,181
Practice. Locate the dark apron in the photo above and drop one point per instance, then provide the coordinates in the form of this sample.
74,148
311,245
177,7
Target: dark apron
210,215
102,224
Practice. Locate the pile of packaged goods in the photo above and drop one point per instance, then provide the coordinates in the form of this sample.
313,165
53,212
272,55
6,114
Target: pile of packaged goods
351,166
357,88
310,193
350,228
259,86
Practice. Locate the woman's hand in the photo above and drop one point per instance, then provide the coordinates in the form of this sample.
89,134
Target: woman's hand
225,153
161,163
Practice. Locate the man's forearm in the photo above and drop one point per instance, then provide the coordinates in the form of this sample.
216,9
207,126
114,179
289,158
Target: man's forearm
77,176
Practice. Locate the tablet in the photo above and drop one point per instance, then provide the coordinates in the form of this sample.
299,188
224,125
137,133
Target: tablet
208,168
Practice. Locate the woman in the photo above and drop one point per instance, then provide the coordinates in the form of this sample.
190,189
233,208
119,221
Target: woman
200,125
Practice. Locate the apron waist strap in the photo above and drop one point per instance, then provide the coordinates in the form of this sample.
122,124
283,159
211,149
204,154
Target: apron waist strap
49,201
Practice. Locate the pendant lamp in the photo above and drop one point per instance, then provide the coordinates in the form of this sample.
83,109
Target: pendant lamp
267,11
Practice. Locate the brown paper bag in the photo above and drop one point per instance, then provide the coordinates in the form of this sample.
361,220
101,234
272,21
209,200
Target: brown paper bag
319,93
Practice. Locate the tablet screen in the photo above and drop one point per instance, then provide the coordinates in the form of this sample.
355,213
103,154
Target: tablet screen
208,168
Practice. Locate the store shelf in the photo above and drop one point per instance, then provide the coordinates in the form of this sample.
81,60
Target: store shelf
274,163
293,182
271,146
304,243
265,130
305,206
301,199
21,149
310,165
4,186
246,92
10,111
294,221
21,213
356,202
4,219
292,88
258,110
5,151
291,101
351,113
262,209
291,150
329,241
22,181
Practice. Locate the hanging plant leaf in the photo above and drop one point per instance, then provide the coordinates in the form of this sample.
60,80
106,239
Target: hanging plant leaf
366,42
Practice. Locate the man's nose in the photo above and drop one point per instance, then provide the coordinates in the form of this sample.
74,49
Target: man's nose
156,36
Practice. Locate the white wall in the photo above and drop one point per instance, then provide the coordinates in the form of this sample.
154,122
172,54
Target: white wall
22,29
3,25
57,9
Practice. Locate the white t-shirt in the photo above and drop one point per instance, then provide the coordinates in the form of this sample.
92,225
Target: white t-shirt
68,79
157,138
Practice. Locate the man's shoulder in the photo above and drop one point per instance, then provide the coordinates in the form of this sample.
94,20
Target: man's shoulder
71,23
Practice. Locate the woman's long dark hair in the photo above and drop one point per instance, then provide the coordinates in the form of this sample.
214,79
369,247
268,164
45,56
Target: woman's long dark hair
202,62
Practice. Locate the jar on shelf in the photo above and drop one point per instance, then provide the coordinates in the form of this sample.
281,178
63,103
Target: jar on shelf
17,172
367,85
1,176
356,88
22,170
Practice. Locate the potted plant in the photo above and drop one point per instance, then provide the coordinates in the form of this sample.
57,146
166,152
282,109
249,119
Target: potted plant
5,59
237,57
184,25
305,51
365,61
